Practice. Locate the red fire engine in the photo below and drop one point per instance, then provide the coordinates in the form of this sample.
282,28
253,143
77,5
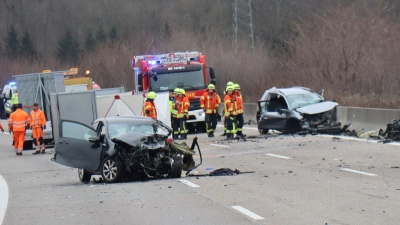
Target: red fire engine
165,72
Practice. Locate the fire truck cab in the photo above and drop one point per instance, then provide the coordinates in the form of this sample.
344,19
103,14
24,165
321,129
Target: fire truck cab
165,72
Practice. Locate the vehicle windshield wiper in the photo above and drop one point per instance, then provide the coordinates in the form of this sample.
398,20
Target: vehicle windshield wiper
190,86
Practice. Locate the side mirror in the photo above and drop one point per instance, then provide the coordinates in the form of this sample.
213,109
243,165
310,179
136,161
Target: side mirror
213,81
283,111
212,73
94,139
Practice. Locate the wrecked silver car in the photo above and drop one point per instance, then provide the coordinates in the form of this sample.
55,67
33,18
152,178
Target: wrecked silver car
123,146
296,109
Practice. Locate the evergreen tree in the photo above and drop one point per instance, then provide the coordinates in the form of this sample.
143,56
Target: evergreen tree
90,42
100,35
27,49
68,49
12,43
113,34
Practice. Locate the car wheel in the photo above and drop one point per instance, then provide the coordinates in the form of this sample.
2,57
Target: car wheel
176,167
263,131
111,170
84,175
293,126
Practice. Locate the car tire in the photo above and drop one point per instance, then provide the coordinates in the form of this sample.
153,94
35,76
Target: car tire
84,176
293,126
263,131
111,170
176,167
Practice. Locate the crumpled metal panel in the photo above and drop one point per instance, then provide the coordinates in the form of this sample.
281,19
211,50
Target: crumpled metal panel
317,108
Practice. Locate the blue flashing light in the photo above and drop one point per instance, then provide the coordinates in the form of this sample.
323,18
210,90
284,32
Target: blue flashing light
12,83
196,58
152,62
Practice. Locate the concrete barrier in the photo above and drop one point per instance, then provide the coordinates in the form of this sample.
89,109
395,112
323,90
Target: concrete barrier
249,111
366,118
360,118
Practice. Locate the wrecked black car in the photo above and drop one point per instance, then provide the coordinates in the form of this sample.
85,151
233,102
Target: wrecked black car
296,109
123,146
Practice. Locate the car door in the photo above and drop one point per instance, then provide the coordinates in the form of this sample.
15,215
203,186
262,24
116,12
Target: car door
73,147
270,116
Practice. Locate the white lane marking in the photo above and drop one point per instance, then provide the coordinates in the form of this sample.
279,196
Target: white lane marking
225,146
357,139
247,212
188,183
278,156
3,198
360,172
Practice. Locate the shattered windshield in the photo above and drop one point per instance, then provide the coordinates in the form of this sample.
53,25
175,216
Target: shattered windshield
188,80
305,99
119,129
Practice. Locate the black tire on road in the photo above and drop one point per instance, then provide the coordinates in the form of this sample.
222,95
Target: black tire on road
176,167
84,176
263,131
111,170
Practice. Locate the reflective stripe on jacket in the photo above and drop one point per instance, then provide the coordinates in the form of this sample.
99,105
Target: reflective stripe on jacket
228,105
182,105
14,99
37,118
238,103
210,102
151,108
18,120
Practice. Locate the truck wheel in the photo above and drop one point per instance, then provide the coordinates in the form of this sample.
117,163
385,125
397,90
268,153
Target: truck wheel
28,145
84,175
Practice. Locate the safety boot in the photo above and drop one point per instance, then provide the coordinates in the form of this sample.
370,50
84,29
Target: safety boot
211,134
183,137
224,134
175,137
229,136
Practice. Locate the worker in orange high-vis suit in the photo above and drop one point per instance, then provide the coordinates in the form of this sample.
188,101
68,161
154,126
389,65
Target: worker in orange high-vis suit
182,104
230,112
239,110
38,124
209,102
17,123
149,109
174,113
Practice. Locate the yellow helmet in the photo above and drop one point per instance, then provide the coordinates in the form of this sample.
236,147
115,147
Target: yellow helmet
182,91
151,95
229,88
176,90
211,86
236,86
229,83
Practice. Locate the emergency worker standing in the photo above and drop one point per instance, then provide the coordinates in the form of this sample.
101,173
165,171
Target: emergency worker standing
174,113
17,123
149,109
239,110
209,102
38,124
183,104
229,112
230,83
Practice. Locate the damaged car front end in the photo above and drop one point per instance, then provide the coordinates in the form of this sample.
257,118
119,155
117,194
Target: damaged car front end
124,147
296,109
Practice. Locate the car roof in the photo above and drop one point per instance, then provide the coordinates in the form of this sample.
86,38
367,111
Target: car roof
120,119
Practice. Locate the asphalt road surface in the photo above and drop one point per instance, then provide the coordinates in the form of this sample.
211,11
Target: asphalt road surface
296,180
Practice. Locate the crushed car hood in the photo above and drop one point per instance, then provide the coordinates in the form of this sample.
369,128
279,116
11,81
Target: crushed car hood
317,108
133,139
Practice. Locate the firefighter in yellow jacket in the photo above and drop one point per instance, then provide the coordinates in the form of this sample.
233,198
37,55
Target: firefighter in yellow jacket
149,109
38,124
239,110
182,104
